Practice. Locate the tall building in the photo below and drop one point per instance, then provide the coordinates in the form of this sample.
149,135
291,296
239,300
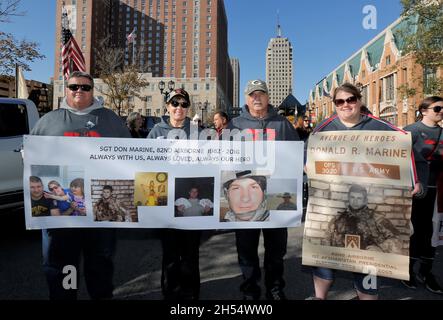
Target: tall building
392,83
279,69
235,65
181,39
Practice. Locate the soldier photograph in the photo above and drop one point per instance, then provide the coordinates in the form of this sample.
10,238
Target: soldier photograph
359,227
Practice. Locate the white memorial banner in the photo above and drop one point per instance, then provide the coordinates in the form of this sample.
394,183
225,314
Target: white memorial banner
144,183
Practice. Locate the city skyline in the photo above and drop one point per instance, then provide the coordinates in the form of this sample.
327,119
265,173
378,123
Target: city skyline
309,26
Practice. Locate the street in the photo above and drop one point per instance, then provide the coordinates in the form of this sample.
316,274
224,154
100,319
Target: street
138,267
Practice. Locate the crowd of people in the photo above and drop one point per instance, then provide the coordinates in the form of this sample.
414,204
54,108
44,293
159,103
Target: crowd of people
180,278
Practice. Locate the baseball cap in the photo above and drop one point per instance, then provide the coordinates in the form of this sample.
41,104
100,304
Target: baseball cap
178,92
256,85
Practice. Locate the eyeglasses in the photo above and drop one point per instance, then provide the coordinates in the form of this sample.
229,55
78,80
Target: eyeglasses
184,104
436,109
350,100
83,87
306,120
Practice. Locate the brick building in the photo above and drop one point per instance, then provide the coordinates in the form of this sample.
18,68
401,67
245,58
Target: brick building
184,40
382,72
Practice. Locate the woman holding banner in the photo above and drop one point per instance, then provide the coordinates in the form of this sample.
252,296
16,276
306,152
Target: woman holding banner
351,114
428,134
180,266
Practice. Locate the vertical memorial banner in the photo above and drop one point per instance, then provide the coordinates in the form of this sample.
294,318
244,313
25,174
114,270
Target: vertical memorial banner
358,215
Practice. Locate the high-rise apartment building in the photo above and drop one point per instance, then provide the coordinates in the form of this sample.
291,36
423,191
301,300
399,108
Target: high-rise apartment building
235,65
181,39
279,69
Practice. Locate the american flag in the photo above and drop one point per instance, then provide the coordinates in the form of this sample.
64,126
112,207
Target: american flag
72,56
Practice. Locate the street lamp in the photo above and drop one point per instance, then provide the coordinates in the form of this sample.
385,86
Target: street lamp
165,93
203,107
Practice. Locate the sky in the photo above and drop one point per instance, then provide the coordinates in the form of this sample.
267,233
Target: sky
323,33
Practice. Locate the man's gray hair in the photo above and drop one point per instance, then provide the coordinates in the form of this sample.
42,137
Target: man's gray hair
81,74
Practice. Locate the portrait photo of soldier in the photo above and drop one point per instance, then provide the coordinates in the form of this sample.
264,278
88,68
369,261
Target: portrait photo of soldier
359,227
245,193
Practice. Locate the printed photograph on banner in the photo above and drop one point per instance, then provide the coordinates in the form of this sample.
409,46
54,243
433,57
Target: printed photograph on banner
194,197
353,225
112,200
282,194
57,190
243,196
151,189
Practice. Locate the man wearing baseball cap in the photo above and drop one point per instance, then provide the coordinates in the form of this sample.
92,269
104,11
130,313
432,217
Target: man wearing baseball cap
261,120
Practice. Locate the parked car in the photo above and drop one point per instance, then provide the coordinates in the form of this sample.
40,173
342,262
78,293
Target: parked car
17,118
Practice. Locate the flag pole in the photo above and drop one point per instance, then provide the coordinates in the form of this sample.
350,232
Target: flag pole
16,80
133,52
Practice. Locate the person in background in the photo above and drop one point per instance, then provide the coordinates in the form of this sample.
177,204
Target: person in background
303,128
80,115
427,134
135,123
221,120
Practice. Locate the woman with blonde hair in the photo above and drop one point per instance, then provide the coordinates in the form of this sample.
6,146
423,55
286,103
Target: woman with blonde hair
134,122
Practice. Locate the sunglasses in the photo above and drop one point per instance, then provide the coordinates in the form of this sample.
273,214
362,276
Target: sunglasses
83,87
436,109
350,100
184,105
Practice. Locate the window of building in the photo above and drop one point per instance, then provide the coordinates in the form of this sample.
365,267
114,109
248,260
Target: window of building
389,87
388,60
208,86
365,96
195,86
405,75
429,76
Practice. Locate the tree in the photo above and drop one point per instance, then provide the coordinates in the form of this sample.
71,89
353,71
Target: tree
13,51
9,8
122,82
423,37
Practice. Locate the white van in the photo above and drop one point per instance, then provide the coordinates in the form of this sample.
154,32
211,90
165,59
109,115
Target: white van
17,117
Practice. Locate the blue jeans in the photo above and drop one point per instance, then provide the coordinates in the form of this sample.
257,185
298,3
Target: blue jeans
63,247
329,274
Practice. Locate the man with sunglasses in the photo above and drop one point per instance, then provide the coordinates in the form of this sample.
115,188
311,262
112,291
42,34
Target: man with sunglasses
80,114
180,278
427,134
260,120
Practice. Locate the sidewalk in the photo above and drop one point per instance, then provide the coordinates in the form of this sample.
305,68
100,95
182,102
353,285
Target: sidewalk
220,274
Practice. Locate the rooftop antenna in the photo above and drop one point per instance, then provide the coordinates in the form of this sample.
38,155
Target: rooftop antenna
278,24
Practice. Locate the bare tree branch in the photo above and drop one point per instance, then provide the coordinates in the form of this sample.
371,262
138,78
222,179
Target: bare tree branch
122,82
9,8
